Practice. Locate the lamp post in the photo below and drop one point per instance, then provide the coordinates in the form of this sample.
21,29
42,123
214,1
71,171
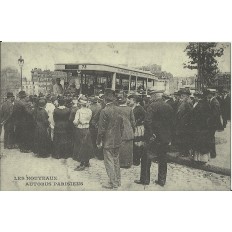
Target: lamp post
32,78
21,63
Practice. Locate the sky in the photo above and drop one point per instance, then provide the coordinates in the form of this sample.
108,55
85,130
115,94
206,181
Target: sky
170,56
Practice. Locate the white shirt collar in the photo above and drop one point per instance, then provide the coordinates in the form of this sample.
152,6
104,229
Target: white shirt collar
195,104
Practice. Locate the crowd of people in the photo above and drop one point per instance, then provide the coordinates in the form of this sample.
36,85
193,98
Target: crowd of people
119,129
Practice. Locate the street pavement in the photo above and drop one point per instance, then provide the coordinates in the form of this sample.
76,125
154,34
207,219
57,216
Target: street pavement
15,164
19,172
223,146
221,164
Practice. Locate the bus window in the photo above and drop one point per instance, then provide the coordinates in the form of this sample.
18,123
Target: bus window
133,83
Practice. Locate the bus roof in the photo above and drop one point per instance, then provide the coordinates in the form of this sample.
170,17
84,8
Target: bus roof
104,67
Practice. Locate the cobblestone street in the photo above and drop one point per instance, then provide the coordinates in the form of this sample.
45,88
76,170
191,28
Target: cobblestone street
17,164
21,165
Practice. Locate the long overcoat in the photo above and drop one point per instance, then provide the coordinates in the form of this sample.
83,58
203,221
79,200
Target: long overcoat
200,130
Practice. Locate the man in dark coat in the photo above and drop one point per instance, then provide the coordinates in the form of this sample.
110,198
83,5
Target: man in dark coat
224,100
200,130
7,121
176,101
182,123
220,97
158,126
93,125
168,99
214,121
24,124
110,132
227,107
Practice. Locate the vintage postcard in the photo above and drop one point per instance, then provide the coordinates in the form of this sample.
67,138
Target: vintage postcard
115,116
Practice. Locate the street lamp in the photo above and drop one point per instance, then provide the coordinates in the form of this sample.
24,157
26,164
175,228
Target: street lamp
21,63
32,78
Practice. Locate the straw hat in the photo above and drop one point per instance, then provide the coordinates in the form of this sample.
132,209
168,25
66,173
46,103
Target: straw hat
83,100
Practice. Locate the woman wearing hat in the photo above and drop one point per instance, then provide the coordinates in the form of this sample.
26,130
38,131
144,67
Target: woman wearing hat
42,141
126,148
83,150
139,114
61,143
201,138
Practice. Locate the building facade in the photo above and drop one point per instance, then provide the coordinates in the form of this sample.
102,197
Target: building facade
165,80
10,81
29,88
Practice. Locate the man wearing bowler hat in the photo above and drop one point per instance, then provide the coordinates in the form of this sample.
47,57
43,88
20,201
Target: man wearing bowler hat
183,123
176,101
7,121
110,132
158,133
93,125
23,116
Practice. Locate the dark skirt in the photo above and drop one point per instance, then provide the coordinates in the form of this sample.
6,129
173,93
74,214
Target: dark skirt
25,136
8,135
61,144
126,154
201,141
42,141
71,132
183,140
83,148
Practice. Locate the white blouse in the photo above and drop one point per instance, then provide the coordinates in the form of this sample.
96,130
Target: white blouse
50,110
82,118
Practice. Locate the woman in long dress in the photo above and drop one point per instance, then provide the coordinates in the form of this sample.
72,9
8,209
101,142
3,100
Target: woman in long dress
61,143
139,114
83,149
126,148
201,141
42,141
